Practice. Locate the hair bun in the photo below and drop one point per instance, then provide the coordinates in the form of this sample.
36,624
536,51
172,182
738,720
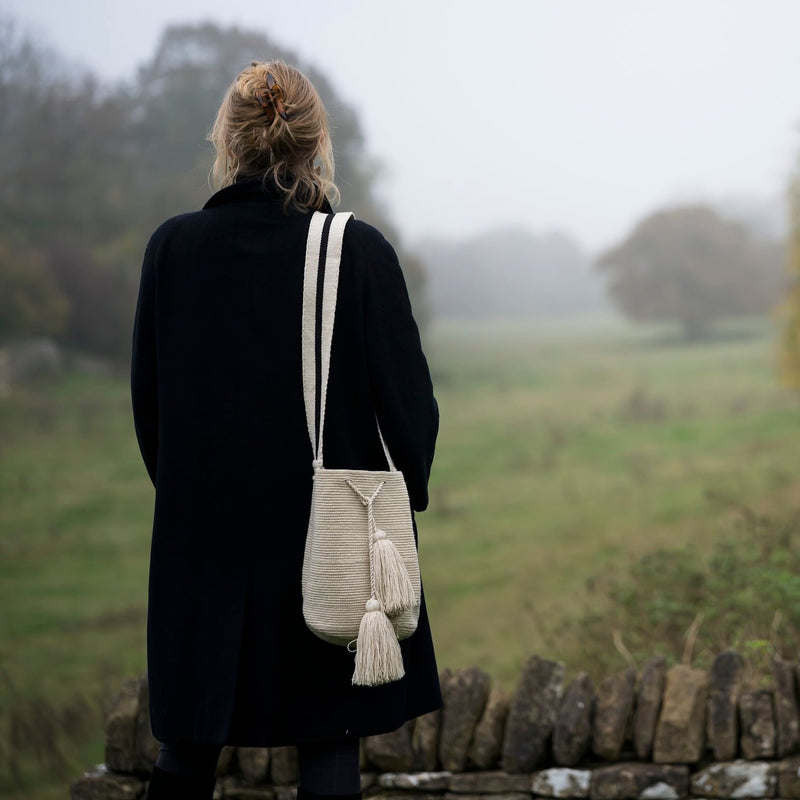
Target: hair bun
296,158
272,101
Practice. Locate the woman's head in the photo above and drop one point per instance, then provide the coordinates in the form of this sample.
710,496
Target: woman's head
272,124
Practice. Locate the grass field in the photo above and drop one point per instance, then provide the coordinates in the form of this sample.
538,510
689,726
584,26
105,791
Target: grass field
566,451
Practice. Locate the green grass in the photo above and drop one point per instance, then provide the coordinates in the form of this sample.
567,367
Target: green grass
73,563
565,454
566,451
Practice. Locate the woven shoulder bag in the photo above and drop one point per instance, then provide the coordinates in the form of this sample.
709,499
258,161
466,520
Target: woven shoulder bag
361,584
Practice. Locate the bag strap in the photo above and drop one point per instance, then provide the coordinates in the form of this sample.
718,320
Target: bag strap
320,286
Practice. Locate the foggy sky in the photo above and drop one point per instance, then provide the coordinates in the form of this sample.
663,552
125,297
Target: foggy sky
576,115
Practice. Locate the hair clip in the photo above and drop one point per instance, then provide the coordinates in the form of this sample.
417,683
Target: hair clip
272,100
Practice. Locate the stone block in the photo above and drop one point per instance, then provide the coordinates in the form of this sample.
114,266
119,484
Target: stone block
425,741
735,779
226,762
391,752
464,695
285,792
488,783
146,745
649,694
613,710
788,777
388,794
573,727
415,781
562,782
757,720
532,715
121,713
727,675
33,358
101,784
487,743
232,787
787,722
368,780
500,796
680,733
253,764
283,765
640,781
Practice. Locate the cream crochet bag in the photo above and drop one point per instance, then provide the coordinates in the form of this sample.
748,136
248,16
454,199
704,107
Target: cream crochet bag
361,584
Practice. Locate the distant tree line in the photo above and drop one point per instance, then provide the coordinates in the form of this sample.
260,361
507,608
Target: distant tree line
510,273
88,170
689,265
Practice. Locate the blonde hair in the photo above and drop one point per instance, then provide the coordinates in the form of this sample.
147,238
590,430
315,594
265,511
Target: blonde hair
295,154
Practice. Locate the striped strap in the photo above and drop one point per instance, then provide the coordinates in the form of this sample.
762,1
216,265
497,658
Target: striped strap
320,286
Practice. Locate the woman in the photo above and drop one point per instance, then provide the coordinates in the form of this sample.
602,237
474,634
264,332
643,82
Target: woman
218,407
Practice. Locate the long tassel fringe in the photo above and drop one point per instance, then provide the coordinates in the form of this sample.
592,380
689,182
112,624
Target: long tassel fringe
378,656
392,583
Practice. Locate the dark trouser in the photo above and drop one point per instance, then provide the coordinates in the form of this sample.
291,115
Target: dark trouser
188,770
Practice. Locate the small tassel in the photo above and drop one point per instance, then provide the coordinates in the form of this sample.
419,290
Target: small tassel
378,656
392,583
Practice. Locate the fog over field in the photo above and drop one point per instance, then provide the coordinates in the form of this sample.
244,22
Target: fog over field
596,206
575,116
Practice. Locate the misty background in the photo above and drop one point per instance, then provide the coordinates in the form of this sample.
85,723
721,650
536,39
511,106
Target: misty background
569,116
503,156
597,211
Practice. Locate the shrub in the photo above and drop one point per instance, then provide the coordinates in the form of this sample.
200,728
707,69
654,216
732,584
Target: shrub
745,594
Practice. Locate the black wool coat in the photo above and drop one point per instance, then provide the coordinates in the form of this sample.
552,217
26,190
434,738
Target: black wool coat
218,408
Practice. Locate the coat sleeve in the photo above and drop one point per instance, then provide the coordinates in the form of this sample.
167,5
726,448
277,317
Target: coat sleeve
400,380
144,384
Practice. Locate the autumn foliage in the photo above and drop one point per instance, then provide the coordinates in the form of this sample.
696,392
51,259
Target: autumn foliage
791,308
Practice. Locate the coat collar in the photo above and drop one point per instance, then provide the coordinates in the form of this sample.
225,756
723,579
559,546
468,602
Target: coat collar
253,189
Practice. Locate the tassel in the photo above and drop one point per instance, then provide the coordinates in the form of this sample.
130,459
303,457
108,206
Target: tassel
378,656
392,583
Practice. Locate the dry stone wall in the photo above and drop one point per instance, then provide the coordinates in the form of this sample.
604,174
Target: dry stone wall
661,734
